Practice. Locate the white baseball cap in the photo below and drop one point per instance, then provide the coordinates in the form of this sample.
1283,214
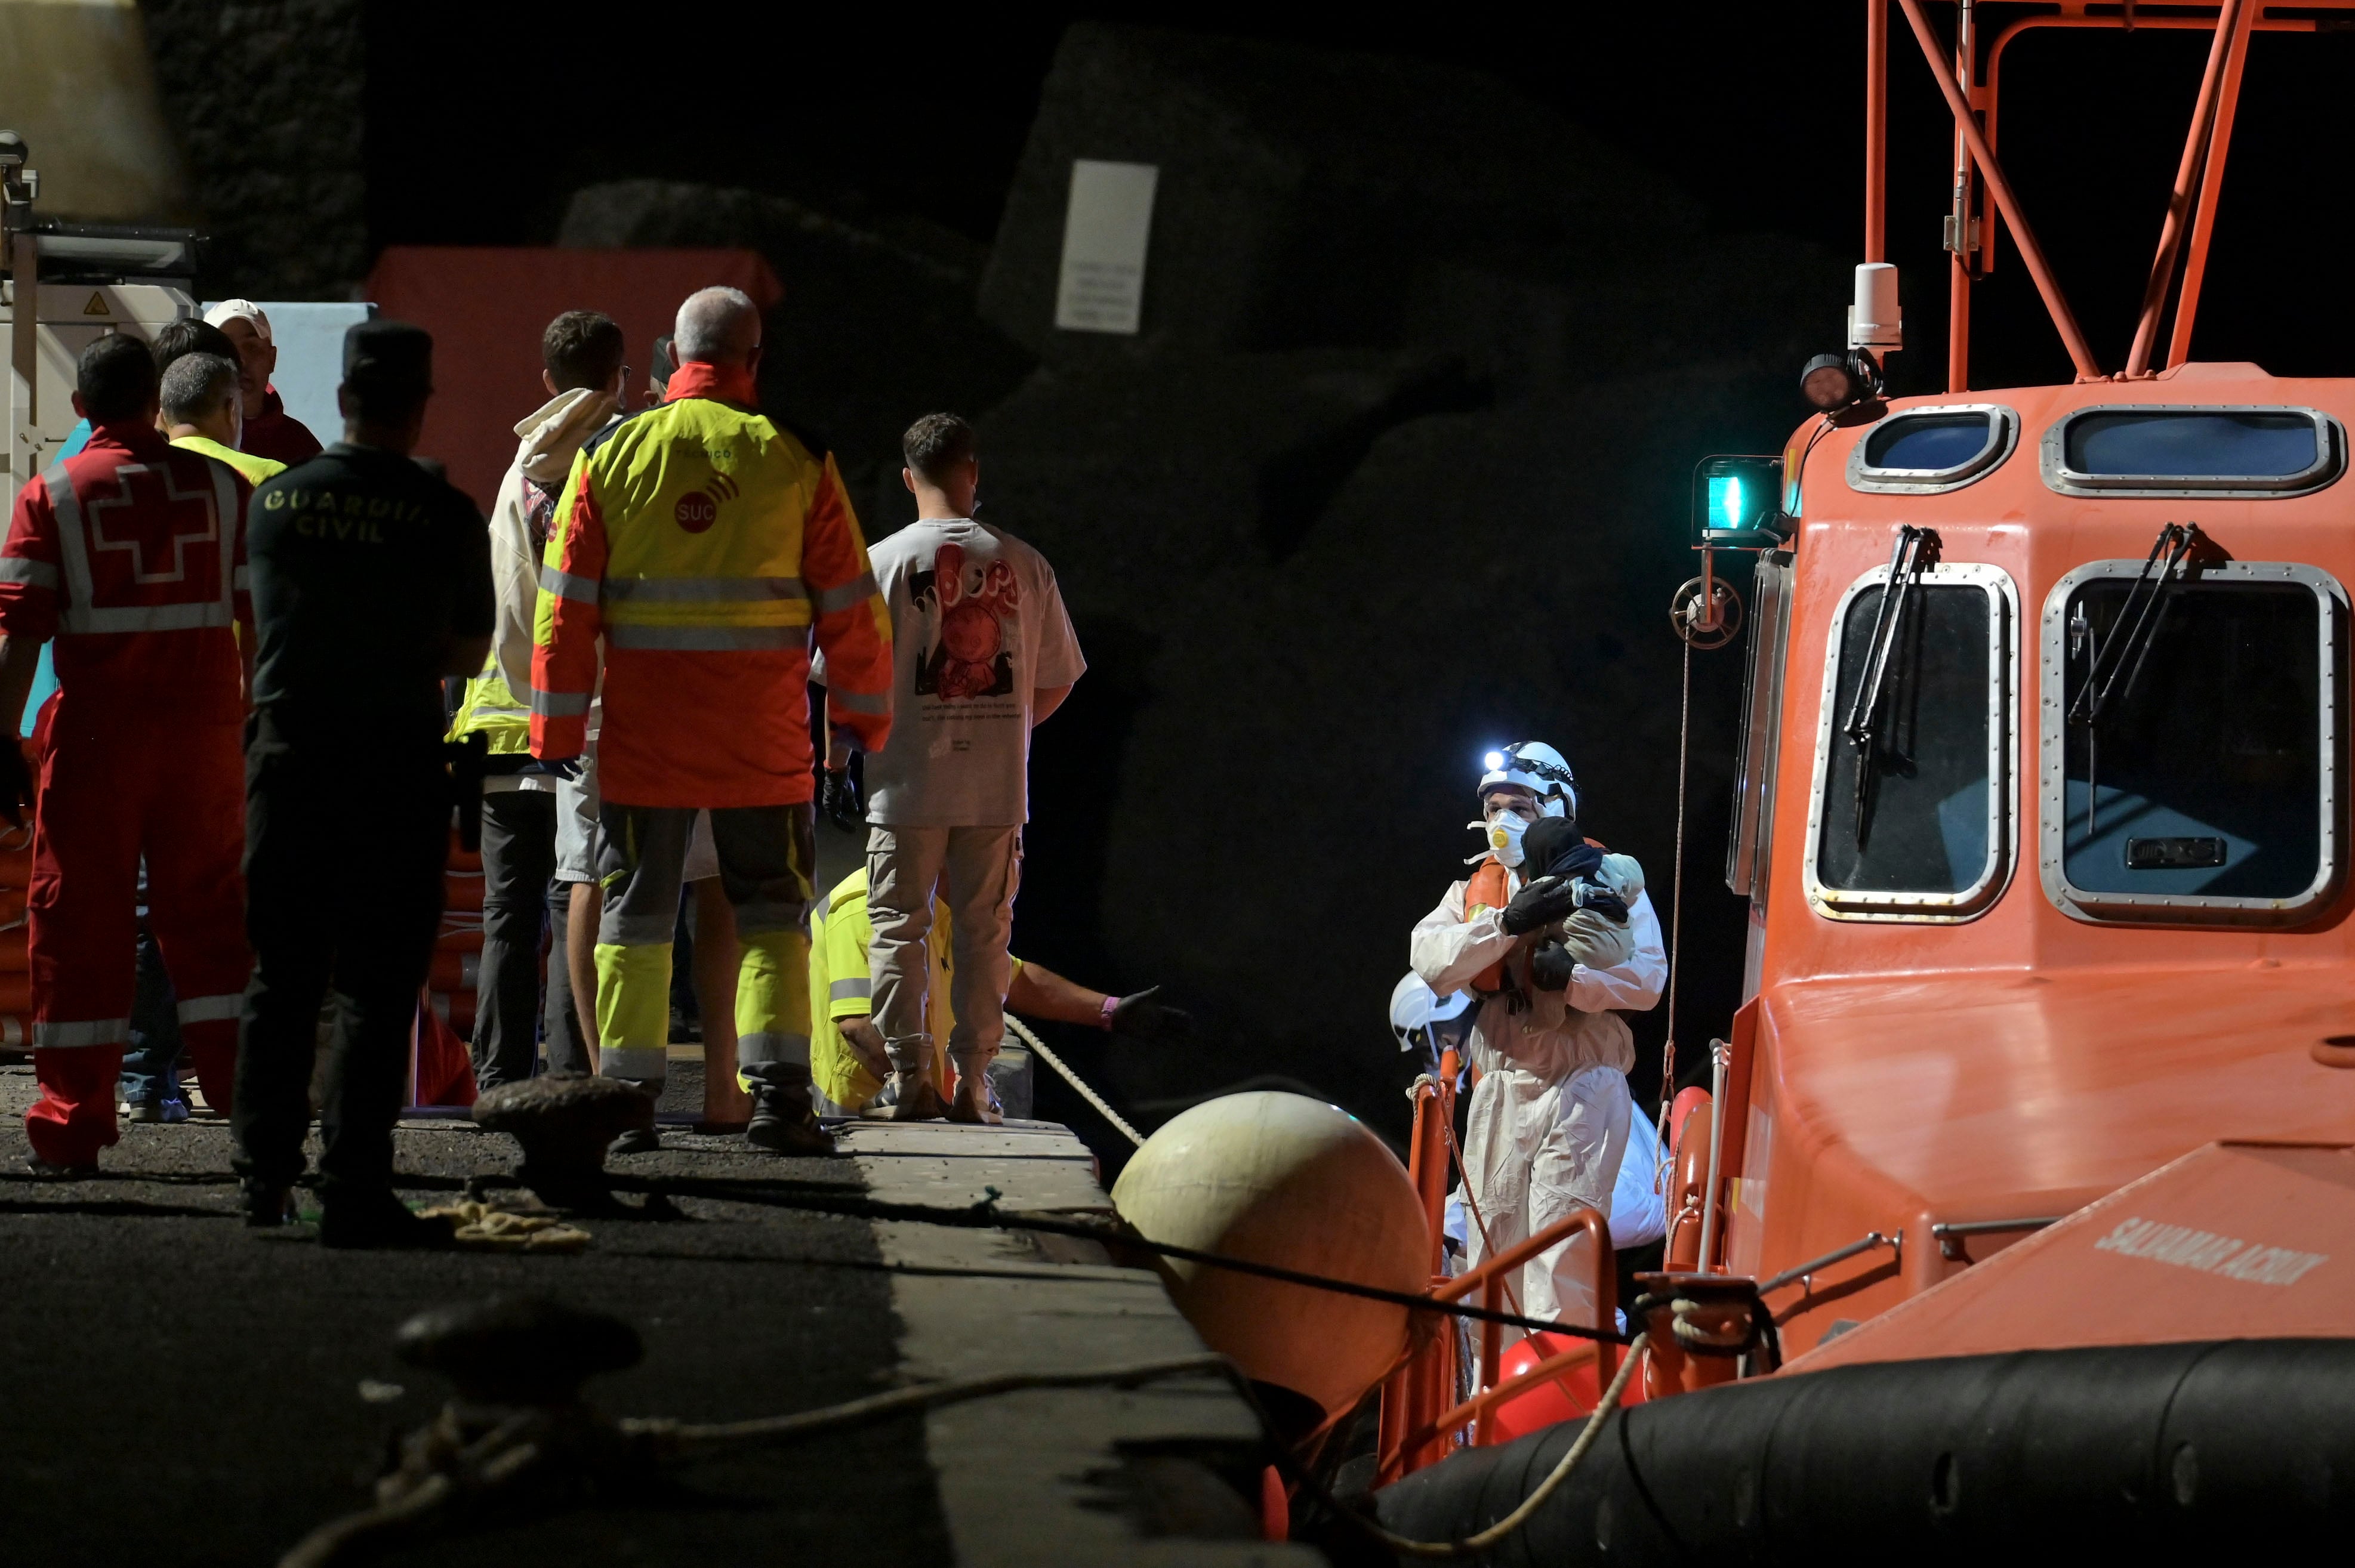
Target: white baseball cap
232,310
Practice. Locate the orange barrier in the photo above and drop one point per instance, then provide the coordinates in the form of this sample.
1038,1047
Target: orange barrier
1428,1442
1424,1381
1695,1116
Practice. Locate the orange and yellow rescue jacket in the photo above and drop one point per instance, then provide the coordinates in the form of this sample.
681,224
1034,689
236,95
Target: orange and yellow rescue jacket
708,549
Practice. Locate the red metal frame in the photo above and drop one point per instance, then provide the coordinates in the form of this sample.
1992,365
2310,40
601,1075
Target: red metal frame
1876,130
2186,176
2080,351
2199,182
1410,1437
2212,187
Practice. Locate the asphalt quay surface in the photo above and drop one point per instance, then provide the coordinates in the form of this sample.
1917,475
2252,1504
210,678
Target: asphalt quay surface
187,1391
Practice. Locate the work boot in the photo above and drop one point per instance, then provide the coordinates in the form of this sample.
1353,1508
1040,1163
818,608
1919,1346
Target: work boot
976,1103
377,1220
913,1096
41,1169
782,1120
637,1140
267,1204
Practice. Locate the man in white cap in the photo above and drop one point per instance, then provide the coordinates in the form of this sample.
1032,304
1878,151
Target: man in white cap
269,430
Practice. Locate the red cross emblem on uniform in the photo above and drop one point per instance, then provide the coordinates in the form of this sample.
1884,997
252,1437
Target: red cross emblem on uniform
154,521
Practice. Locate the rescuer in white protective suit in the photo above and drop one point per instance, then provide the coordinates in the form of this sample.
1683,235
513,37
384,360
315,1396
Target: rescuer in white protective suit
1549,935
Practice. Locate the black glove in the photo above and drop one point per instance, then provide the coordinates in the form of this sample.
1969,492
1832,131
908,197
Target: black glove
1550,967
1541,903
15,783
567,767
839,800
1147,1020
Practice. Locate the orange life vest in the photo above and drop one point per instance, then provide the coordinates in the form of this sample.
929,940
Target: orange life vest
1487,889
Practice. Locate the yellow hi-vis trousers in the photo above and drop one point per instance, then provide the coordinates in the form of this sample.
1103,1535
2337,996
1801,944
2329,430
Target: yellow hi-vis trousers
766,855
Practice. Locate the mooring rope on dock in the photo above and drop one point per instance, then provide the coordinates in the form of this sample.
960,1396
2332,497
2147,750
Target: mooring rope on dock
1087,1094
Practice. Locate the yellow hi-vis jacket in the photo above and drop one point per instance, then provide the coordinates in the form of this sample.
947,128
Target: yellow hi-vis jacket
494,710
707,548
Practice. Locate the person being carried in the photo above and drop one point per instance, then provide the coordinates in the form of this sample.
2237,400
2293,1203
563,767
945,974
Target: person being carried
983,653
1549,934
849,1058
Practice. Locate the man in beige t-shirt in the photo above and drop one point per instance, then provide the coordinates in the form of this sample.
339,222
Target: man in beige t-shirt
983,651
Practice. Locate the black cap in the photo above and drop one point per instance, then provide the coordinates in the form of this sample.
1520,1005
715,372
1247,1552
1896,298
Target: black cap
389,356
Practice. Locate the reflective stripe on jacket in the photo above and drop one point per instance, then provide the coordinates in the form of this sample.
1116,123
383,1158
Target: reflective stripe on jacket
131,555
252,469
707,548
491,709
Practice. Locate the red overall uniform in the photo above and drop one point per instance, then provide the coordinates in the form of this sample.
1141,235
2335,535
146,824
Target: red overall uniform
130,554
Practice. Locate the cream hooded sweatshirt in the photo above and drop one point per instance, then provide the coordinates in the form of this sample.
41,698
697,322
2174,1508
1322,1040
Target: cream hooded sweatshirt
551,437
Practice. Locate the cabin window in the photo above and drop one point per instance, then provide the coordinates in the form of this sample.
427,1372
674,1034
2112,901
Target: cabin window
2156,450
1925,450
2190,759
1913,801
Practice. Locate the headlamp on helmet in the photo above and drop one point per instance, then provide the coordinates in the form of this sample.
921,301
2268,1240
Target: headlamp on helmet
1534,765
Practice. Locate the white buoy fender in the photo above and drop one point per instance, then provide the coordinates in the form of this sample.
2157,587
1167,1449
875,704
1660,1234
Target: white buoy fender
1284,1180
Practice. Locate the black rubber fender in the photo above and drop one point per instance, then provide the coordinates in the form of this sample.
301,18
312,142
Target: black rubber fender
2212,1448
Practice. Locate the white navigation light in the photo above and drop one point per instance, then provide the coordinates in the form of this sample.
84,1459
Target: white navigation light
1874,320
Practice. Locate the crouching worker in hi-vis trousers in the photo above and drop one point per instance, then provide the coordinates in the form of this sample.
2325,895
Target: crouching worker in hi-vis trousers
708,549
849,1054
131,555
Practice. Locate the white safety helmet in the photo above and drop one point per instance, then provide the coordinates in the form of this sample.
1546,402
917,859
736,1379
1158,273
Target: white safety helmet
1536,767
1415,1007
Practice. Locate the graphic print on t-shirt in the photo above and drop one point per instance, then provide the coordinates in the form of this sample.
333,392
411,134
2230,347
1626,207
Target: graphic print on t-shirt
970,627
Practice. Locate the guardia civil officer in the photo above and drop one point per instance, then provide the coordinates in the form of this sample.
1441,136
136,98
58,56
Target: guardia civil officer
371,582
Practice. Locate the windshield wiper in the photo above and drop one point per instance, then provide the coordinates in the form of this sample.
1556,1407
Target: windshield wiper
2129,643
1915,552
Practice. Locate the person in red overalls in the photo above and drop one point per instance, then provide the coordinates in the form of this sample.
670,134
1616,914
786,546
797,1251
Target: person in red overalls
130,554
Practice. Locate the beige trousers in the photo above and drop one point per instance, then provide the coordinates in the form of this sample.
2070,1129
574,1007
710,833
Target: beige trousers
976,872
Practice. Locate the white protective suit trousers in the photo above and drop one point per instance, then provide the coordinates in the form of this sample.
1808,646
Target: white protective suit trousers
1536,1151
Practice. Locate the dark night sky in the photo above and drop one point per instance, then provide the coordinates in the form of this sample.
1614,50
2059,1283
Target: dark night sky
1755,109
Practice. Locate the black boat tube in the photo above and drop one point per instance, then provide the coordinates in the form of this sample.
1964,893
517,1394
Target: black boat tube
2167,1450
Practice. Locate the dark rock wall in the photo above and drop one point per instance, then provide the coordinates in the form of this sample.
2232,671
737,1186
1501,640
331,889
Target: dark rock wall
1396,470
877,324
267,100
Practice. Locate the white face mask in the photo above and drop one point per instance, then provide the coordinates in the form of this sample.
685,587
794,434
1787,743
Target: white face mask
1505,838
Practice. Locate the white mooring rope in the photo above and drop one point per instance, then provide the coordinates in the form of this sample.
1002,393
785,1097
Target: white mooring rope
1087,1094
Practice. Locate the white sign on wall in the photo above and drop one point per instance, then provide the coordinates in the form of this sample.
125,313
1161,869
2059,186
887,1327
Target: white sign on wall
1105,233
